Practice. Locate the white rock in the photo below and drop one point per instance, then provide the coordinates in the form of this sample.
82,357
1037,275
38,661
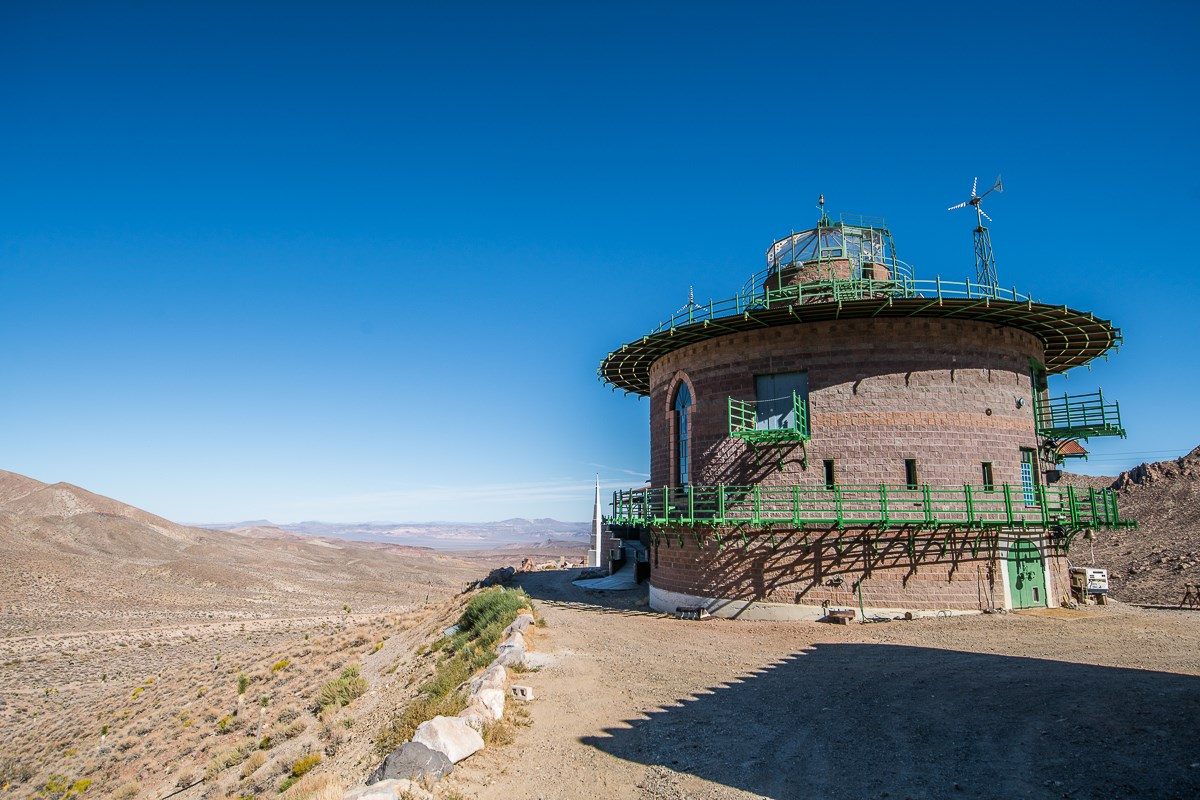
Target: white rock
451,735
476,715
494,677
513,641
492,700
389,790
511,651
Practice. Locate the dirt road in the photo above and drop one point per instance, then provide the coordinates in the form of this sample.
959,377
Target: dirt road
1091,704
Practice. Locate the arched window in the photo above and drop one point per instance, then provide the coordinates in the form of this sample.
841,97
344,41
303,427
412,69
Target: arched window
683,404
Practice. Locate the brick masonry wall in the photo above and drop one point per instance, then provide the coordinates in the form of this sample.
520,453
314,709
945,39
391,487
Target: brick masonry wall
944,392
809,568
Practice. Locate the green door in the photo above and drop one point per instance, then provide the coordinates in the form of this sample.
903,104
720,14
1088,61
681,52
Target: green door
1026,576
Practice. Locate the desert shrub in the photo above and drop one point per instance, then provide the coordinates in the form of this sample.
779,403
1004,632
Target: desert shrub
225,723
243,683
378,646
487,615
14,771
300,767
342,691
253,762
293,729
281,665
318,787
59,787
288,714
224,760
127,791
497,733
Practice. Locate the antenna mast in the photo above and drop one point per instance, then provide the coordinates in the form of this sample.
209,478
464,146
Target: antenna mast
985,259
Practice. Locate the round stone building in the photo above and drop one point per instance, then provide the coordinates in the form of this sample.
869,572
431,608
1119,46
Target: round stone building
843,434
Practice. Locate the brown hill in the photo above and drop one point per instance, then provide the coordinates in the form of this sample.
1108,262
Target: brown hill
1152,564
71,559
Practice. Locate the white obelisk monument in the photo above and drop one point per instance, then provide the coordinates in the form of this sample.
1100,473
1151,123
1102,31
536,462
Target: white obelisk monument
596,555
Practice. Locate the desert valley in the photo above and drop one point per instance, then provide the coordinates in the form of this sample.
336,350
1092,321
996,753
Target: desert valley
142,657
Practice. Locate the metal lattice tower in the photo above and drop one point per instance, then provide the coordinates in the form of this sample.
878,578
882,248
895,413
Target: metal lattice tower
985,259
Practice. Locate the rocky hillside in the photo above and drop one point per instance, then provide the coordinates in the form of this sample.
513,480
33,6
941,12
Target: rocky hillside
1151,564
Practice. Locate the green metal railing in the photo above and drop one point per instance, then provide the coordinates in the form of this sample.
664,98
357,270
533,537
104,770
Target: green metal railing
1079,416
882,505
744,422
848,290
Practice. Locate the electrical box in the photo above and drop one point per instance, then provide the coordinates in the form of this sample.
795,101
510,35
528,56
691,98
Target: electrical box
1089,580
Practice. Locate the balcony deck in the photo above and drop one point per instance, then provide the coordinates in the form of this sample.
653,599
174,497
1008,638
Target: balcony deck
875,505
746,423
1079,417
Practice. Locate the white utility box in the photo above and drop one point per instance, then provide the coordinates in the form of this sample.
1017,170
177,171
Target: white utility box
1089,581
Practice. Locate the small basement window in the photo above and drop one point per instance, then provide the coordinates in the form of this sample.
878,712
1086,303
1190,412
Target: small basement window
989,483
830,475
910,473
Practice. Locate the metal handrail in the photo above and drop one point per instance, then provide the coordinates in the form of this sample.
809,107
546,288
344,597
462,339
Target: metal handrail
935,290
745,424
1080,415
882,505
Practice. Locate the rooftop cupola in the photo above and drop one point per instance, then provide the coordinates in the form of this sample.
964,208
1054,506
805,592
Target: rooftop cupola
852,248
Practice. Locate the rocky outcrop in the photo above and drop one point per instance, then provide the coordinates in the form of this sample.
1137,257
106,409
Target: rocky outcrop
1186,468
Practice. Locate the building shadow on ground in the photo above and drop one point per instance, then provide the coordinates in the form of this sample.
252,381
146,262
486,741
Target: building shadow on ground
554,586
877,720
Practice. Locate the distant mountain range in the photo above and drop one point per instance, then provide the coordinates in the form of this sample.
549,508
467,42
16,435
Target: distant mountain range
441,535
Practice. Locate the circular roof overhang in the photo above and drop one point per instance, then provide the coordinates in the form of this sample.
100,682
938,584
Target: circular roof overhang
1071,338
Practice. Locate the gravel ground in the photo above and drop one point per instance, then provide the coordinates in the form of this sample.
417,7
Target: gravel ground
1097,703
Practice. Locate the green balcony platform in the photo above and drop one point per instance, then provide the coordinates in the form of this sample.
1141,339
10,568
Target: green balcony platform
780,422
1079,416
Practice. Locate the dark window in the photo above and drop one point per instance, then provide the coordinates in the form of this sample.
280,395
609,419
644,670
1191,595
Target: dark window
910,473
683,403
830,477
989,484
776,397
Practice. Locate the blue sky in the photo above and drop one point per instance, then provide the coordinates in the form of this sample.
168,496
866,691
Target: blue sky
359,261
